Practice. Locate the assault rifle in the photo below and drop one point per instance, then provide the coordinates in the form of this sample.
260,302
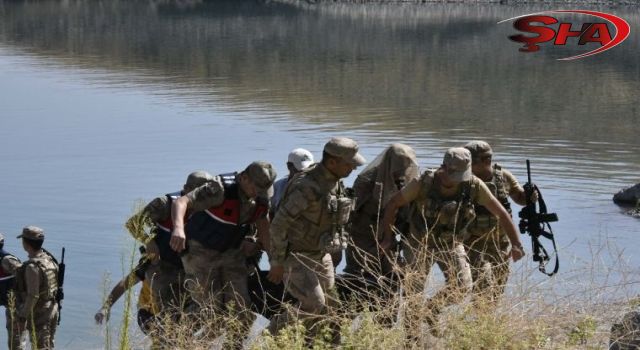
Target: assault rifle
534,222
60,291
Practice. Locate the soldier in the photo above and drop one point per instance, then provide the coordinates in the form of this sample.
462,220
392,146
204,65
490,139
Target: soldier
443,203
308,226
487,243
215,261
36,288
165,272
298,160
373,188
8,266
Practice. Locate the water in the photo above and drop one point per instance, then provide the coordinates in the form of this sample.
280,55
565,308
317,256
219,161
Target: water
107,102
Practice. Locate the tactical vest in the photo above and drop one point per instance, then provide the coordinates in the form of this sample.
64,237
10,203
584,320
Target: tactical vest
219,227
484,218
162,236
48,267
325,219
7,281
444,217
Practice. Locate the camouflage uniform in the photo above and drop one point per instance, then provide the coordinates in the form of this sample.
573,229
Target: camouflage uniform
487,244
9,266
307,227
375,185
36,287
165,273
214,263
438,223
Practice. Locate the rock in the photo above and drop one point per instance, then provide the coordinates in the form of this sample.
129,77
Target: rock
626,334
629,195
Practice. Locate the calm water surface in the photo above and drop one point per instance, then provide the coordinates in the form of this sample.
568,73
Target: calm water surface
107,102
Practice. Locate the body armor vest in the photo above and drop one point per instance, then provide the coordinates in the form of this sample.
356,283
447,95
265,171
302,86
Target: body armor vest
219,227
485,219
162,236
445,216
48,268
326,218
7,281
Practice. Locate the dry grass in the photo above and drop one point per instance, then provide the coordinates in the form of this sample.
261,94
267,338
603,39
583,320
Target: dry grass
574,310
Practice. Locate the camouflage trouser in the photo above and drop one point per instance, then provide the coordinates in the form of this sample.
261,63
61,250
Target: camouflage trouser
166,285
42,326
216,280
311,282
489,259
14,335
421,251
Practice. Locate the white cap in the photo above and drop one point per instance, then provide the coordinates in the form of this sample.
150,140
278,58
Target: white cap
301,158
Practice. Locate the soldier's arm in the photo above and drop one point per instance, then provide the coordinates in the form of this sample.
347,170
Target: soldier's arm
32,282
486,199
516,192
208,195
294,203
262,226
10,264
405,196
118,290
389,218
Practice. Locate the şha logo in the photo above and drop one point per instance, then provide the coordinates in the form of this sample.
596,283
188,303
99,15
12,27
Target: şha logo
590,32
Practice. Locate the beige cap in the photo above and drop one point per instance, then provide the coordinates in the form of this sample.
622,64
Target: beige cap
197,179
457,161
262,174
344,148
32,232
479,149
300,158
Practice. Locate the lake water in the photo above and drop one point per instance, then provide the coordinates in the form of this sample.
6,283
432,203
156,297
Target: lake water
108,102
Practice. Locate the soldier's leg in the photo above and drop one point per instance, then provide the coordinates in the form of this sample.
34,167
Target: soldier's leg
42,328
500,267
165,280
452,260
236,294
14,333
302,283
199,275
481,268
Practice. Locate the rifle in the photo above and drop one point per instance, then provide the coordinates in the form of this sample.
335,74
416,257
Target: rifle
60,291
533,223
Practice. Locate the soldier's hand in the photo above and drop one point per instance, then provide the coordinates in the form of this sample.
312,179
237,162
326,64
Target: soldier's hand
178,239
275,274
100,316
534,196
517,253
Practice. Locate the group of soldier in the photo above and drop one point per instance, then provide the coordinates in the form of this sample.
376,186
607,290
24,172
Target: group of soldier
28,291
457,216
